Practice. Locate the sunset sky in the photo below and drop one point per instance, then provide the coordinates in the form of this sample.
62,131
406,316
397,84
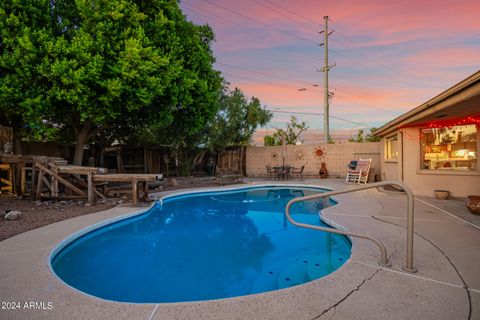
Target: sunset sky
390,56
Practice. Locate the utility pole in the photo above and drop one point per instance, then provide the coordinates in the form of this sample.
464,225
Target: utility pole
326,93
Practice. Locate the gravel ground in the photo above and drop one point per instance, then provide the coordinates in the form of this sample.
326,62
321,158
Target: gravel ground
36,213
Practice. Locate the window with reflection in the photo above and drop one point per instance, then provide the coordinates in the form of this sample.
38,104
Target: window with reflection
392,147
449,148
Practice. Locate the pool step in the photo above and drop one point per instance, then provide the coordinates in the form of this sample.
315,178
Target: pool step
267,281
320,266
294,274
279,276
297,271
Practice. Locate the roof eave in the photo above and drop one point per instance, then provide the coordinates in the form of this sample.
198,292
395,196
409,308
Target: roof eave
408,117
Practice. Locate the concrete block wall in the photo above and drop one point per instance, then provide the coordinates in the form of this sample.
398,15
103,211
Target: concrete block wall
336,157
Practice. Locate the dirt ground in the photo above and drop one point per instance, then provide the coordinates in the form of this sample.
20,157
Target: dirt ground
36,214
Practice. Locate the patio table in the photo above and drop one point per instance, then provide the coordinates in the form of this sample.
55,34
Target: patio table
282,171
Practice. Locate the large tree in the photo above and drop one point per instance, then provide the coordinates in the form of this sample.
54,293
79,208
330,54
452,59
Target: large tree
236,121
233,124
88,66
291,135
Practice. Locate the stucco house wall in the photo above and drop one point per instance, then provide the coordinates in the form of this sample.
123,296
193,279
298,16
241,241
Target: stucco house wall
458,105
424,182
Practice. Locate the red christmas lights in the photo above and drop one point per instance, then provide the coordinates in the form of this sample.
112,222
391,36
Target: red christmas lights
454,123
447,123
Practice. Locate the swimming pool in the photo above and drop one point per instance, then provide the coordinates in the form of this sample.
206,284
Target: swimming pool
204,246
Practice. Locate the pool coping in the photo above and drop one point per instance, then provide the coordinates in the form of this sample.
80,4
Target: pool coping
300,302
178,193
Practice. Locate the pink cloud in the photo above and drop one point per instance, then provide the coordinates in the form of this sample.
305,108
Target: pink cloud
447,56
390,22
391,55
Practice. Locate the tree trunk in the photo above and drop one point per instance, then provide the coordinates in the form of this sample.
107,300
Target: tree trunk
17,144
78,156
83,136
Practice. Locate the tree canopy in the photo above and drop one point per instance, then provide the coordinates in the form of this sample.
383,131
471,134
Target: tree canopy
78,68
365,136
236,121
233,124
291,135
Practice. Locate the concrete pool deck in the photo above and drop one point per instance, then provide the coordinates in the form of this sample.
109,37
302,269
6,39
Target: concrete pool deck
446,286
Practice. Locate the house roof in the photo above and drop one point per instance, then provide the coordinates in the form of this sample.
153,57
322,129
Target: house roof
460,101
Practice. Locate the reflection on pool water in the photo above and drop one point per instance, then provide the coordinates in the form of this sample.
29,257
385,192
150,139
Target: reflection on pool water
204,246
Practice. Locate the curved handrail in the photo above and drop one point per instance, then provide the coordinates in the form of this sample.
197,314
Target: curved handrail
383,251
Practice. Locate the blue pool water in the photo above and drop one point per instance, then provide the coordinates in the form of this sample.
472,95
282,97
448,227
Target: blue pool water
204,246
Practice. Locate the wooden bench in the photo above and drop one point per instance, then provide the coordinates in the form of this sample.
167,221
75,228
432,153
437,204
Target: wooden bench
51,175
133,178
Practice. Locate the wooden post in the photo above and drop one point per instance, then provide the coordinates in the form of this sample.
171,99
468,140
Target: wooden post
145,190
23,181
134,191
19,177
119,162
34,177
54,186
16,177
145,166
39,185
90,188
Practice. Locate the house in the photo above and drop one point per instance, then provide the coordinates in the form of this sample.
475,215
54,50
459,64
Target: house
435,146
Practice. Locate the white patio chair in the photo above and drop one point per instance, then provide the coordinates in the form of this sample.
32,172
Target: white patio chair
360,173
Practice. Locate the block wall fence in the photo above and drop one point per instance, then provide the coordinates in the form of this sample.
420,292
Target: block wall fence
336,157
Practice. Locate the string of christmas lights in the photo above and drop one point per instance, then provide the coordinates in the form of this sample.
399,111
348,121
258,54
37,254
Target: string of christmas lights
446,123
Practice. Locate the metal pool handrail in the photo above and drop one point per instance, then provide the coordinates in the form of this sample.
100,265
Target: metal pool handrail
383,251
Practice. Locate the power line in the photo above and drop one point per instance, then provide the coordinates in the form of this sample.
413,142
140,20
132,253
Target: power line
225,21
303,83
307,19
294,13
219,18
208,15
259,22
379,59
284,15
318,114
264,73
255,80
